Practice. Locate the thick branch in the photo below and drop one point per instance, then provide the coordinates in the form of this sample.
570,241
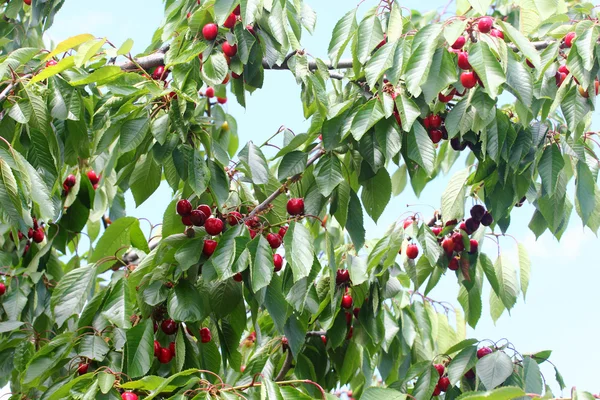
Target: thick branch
287,365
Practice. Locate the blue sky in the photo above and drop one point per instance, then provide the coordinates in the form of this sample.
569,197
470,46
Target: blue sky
559,312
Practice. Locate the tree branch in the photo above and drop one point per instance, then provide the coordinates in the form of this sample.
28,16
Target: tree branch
10,87
287,365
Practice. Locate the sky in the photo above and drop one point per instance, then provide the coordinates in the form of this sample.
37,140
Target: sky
560,313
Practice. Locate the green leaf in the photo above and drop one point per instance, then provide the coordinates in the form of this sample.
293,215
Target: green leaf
454,196
409,111
399,180
122,232
343,32
214,69
117,307
585,188
222,9
87,51
523,44
421,58
494,369
292,163
464,361
328,174
366,117
442,73
198,173
140,348
253,157
261,262
376,193
145,179
507,282
487,67
224,256
299,250
354,223
105,381
426,384
369,35
382,60
420,148
532,376
358,270
8,326
503,393
100,76
185,303
574,107
524,268
93,347
47,72
180,348
69,44
71,293
11,203
376,393
133,133
480,6
270,390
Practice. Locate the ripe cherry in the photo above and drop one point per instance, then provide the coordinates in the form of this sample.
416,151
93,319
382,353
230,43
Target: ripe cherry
448,245
160,73
407,223
165,356
213,226
324,340
172,347
446,98
39,235
463,226
210,92
229,49
444,383
350,333
274,240
70,181
205,209
529,63
427,122
230,21
342,276
238,277
470,374
209,247
487,219
282,231
453,264
459,43
221,100
51,63
83,368
458,242
168,326
237,10
457,145
474,246
197,217
436,121
184,207
295,206
468,79
347,301
463,60
436,135
484,351
234,218
356,312
477,212
277,262
436,391
205,335
485,24
412,251
128,395
569,37
2,288
210,31
436,230
186,220
348,318
472,225
497,33
28,2
560,78
93,177
440,368
157,348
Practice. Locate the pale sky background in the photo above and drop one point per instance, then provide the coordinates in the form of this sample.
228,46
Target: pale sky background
560,313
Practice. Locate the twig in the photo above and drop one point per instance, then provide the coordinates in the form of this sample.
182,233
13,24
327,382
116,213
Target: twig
10,87
287,365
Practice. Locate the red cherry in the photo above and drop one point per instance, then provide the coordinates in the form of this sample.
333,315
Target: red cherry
468,79
282,231
350,333
436,121
407,222
436,230
210,92
485,24
238,277
459,43
28,2
237,10
453,264
197,217
462,226
470,374
497,33
458,242
560,78
348,318
277,262
225,80
221,100
463,60
205,335
443,384
412,251
189,14
165,356
472,225
160,73
213,226
347,301
229,49
356,311
210,31
209,247
342,276
234,218
274,240
184,207
440,368
436,135
93,177
252,233
51,63
169,326
230,21
569,37
235,76
128,395
563,68
452,222
157,348
83,368
448,246
70,181
172,348
39,235
474,246
186,220
324,340
437,391
484,351
427,122
2,288
295,206
446,98
205,209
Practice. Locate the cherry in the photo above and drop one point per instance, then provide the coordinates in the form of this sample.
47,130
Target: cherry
443,384
252,233
277,262
348,318
238,277
474,246
457,145
51,63
213,226
127,395
234,218
324,340
470,374
70,181
453,264
83,368
583,92
210,92
446,98
497,33
347,301
2,288
560,78
225,80
452,222
205,209
436,230
437,391
412,251
407,222
485,24
237,10
28,2
282,231
295,206
221,100
472,225
93,177
209,247
184,207
205,335
274,240
463,60
165,356
210,31
462,226
448,245
186,220
436,121
427,122
172,347
569,37
440,368
458,242
157,348
459,43
235,76
38,235
197,217
250,29
159,73
342,276
529,63
597,86
484,351
487,219
189,14
230,21
229,49
436,135
564,69
468,79
477,212
169,326
350,333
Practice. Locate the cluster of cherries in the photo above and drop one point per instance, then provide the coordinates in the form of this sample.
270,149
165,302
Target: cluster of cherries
169,327
444,383
434,125
35,234
342,278
70,181
202,216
